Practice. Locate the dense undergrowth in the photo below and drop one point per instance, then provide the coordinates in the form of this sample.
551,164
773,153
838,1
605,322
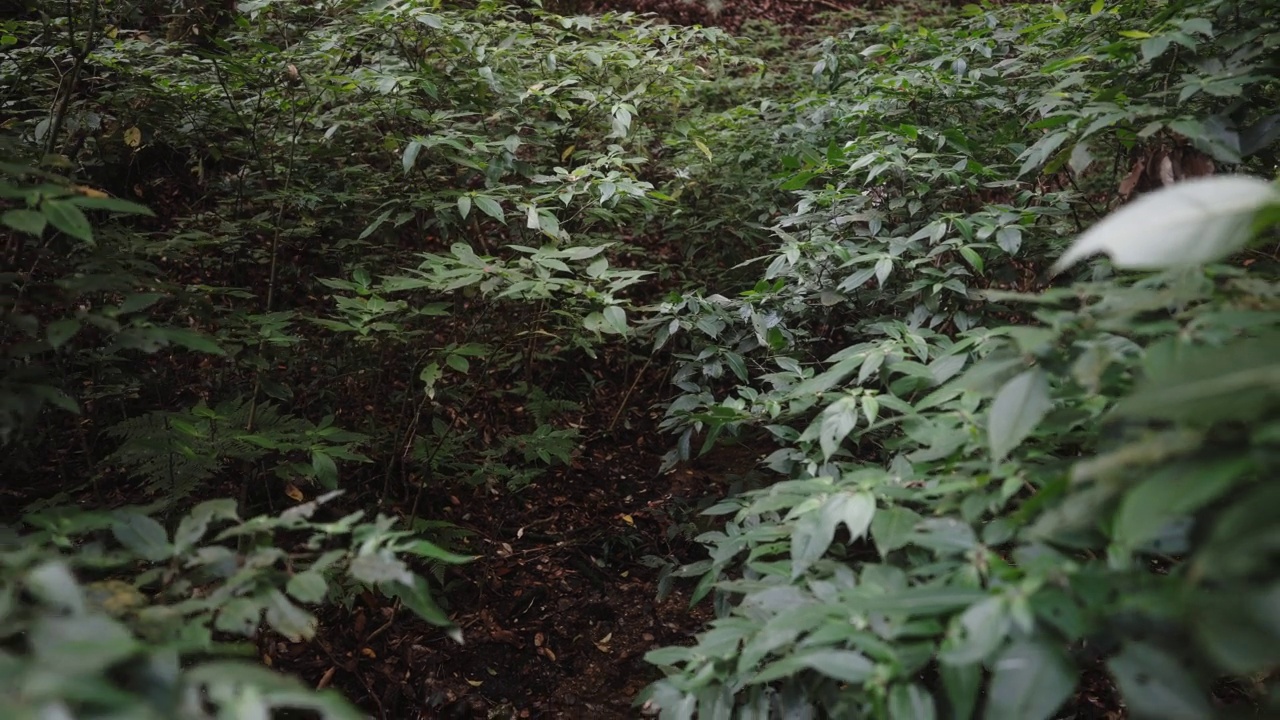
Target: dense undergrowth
395,249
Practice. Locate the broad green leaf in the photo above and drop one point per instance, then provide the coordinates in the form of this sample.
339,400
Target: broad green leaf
416,596
308,587
1186,224
972,257
138,302
464,206
1155,686
1239,632
142,535
615,319
68,218
835,423
288,619
53,584
31,222
910,702
60,331
843,665
110,204
1009,238
1175,490
1202,385
458,362
325,469
193,340
810,539
490,207
80,645
978,632
1018,408
429,376
962,683
410,155
1030,681
855,510
892,528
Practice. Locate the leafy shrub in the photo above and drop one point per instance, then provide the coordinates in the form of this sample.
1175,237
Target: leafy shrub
108,614
973,513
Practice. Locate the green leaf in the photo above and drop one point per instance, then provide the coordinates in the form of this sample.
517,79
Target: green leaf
458,362
429,376
810,539
490,207
798,181
615,319
1018,408
855,510
308,587
193,340
325,469
972,257
142,535
464,206
1202,385
139,301
1030,681
843,665
410,155
26,221
981,630
910,702
893,527
549,225
1009,238
288,619
53,584
1174,491
427,549
1158,687
836,422
68,218
60,331
962,683
1186,224
80,645
110,204
417,597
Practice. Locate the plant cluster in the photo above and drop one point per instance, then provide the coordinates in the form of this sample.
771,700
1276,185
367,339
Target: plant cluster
997,475
393,248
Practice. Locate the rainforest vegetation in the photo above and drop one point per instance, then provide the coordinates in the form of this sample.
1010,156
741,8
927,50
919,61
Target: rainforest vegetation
677,358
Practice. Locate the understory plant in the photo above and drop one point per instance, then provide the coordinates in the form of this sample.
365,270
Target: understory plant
997,475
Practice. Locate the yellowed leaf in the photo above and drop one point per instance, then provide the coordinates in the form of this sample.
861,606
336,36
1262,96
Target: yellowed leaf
133,137
89,192
294,493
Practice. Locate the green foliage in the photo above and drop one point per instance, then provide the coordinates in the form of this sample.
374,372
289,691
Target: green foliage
109,614
392,236
973,512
